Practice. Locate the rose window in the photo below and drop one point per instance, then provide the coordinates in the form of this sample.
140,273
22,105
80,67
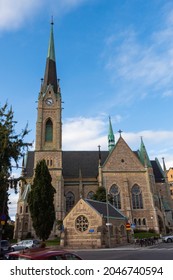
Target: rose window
82,223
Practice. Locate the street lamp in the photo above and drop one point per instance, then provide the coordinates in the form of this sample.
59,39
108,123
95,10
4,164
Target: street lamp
108,224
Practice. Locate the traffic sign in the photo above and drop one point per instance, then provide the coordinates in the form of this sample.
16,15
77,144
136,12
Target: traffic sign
133,226
2,217
128,227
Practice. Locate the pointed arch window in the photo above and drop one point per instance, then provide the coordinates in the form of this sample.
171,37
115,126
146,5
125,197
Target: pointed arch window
115,195
122,230
137,201
70,199
90,195
49,131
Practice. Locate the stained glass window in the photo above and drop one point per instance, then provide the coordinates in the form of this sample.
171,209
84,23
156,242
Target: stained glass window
137,197
82,223
115,193
69,201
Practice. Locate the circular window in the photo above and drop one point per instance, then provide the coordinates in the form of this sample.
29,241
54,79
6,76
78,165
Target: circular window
82,223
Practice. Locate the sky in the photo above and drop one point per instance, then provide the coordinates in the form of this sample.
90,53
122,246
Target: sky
114,58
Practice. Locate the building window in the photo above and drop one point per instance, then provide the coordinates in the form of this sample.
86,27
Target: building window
135,221
139,222
90,195
26,209
144,222
82,223
122,230
49,131
20,209
115,196
26,226
137,197
69,201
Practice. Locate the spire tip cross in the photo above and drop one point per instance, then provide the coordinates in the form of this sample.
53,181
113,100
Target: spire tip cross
120,131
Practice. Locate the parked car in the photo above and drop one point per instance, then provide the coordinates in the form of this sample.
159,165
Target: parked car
26,244
5,247
12,255
42,254
167,238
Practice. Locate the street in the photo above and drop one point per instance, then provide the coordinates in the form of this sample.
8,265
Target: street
161,251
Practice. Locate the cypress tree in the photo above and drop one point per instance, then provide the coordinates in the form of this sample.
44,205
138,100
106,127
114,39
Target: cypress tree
41,201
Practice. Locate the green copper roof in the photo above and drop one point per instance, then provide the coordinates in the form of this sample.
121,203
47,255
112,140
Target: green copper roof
51,48
50,75
111,138
144,158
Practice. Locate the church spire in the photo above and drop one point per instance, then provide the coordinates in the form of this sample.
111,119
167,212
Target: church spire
144,156
164,165
111,138
50,75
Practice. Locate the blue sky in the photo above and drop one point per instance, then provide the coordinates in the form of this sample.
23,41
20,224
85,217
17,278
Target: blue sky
114,57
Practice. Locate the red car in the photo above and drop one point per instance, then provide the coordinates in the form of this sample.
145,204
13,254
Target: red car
42,254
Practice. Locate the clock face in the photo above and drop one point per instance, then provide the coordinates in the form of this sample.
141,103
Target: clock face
49,101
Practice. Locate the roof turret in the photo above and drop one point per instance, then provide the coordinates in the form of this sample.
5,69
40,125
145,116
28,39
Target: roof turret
111,138
144,158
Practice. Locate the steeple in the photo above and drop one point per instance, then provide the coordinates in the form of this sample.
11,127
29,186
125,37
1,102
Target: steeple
164,165
143,155
50,75
111,138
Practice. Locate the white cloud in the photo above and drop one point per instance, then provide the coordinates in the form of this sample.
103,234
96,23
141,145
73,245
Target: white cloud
87,133
83,133
15,13
145,68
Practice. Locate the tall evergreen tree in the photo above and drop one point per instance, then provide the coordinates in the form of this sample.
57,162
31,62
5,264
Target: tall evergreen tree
40,201
12,148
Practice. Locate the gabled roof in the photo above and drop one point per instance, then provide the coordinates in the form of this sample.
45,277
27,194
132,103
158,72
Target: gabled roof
158,172
85,162
107,210
122,158
29,164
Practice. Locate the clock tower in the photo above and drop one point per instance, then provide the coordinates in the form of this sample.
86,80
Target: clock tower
49,127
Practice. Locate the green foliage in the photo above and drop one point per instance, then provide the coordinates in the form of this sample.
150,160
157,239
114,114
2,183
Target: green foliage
144,234
54,242
7,232
12,148
40,201
100,194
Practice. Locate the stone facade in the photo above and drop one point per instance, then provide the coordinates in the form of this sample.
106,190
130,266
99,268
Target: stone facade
137,185
86,227
170,180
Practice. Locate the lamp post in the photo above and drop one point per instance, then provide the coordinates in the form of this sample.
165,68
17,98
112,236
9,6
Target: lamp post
108,224
152,222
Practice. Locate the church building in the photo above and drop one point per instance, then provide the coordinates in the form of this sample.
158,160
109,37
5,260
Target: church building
138,185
